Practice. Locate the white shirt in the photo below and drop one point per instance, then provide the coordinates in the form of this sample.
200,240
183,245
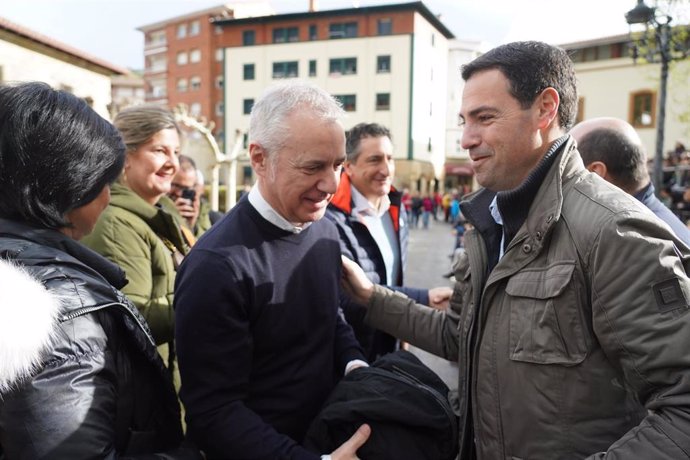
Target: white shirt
380,226
496,214
267,212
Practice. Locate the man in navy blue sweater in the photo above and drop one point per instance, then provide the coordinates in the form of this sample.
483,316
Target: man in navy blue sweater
259,338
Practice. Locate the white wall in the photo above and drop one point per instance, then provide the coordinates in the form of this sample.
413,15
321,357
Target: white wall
430,86
365,84
607,85
22,64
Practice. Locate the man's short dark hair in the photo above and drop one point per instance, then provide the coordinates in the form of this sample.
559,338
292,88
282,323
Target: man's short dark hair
56,154
625,161
531,67
359,132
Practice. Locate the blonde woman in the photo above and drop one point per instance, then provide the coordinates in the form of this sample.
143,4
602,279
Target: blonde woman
135,231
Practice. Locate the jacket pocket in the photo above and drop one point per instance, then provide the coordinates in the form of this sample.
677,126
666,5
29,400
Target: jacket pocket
546,317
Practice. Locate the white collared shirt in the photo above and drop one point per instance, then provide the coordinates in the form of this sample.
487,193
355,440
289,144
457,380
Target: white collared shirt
496,214
382,230
267,212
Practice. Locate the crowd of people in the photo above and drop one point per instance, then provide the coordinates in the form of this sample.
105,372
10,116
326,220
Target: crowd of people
125,303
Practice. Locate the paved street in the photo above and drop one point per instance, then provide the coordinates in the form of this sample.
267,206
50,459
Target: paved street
426,263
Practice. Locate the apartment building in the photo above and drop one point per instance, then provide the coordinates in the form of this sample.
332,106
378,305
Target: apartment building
387,64
458,171
26,55
183,58
611,83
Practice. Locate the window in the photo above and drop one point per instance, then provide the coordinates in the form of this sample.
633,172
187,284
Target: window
182,58
195,109
384,26
195,55
312,68
195,83
343,66
248,38
287,69
220,108
156,38
182,85
247,105
342,30
220,81
383,101
248,72
313,32
285,34
181,30
194,28
349,101
383,64
219,54
217,30
433,41
642,109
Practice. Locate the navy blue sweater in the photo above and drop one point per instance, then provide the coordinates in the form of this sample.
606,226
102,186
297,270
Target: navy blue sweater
260,342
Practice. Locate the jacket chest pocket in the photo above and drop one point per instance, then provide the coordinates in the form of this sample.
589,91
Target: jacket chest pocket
546,316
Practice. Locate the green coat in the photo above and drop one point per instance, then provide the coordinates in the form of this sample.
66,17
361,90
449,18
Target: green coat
143,240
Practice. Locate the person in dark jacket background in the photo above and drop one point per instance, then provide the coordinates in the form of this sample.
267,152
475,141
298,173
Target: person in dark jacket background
79,373
611,148
373,227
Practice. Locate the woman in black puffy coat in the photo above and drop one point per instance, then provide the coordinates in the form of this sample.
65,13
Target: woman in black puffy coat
79,373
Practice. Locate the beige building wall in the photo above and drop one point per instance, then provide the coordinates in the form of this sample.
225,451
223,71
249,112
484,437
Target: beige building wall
22,64
365,84
606,87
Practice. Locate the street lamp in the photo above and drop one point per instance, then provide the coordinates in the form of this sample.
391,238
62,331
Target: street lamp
659,45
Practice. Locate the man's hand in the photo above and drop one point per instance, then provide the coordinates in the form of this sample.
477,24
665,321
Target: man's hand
439,297
355,282
348,450
188,209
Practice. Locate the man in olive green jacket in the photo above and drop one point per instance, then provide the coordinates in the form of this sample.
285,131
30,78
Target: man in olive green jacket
570,318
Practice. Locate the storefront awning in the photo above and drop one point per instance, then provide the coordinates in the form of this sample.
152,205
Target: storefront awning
459,170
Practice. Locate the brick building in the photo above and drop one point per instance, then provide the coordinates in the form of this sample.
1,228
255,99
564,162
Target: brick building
183,58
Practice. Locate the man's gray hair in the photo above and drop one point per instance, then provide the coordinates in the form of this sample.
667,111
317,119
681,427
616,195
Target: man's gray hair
267,125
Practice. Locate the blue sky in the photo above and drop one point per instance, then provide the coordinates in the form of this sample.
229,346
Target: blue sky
107,28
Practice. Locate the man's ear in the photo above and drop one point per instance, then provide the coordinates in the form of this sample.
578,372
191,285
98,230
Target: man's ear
598,168
347,166
258,159
547,105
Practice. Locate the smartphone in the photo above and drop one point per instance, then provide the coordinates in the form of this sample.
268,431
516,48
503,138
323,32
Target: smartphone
189,194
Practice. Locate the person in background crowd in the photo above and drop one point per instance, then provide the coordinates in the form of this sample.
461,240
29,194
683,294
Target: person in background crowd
261,342
135,231
571,311
427,210
205,206
372,226
79,372
612,149
186,194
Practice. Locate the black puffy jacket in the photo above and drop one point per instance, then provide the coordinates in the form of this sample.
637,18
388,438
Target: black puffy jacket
79,373
407,406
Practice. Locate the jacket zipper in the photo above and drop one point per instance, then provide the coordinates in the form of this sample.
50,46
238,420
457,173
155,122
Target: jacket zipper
87,310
